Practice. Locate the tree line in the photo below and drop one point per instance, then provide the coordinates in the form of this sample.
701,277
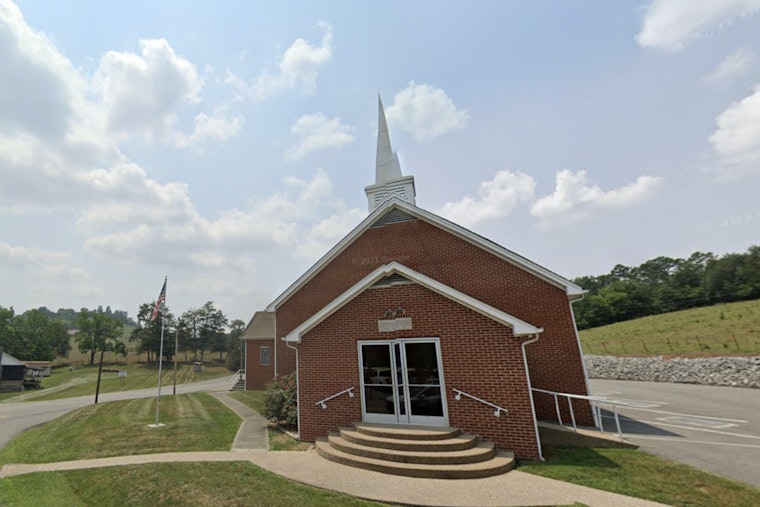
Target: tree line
666,284
196,332
43,335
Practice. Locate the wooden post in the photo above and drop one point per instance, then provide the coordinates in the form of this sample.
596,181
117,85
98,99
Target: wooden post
100,371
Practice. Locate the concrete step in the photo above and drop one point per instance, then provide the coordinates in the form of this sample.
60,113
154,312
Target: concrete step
478,451
407,432
501,463
456,443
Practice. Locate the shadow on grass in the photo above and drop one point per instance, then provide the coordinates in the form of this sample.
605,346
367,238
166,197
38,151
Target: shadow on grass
577,456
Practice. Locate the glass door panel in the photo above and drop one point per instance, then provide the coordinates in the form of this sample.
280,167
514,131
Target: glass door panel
378,380
423,381
401,382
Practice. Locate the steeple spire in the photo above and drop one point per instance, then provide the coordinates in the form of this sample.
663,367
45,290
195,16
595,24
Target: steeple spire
389,181
387,167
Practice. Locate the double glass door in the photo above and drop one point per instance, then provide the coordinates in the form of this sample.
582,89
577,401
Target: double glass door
402,382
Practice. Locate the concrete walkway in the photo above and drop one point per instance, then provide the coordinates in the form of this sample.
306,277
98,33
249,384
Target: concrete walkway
511,489
253,432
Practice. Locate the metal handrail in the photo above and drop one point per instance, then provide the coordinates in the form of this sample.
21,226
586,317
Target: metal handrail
497,412
238,375
595,408
323,403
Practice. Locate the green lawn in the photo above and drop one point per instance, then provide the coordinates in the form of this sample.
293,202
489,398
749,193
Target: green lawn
253,399
713,330
194,422
166,484
67,382
637,473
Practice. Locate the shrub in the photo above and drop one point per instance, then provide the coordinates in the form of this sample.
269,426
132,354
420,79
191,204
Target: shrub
281,401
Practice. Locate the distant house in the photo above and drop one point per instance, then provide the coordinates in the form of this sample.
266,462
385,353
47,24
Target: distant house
13,373
419,321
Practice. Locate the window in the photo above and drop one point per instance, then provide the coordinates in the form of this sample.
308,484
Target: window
265,356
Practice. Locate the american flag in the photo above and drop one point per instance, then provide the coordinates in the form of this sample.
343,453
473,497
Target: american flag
159,302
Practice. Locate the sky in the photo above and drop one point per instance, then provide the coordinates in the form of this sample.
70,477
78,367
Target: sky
227,145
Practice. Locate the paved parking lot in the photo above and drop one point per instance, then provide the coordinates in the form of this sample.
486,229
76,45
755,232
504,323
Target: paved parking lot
716,429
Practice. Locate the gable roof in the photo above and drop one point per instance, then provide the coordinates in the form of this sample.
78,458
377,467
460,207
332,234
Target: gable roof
572,290
9,360
261,327
519,327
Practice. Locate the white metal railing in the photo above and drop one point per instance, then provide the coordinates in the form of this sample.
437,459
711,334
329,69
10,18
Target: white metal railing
323,403
595,408
238,375
497,412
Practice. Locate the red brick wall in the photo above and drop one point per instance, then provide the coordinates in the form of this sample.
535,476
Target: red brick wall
555,360
256,374
479,356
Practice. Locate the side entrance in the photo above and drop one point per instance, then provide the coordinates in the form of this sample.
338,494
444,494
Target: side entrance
402,382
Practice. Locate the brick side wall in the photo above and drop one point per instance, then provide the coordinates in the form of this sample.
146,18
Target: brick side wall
555,360
256,374
479,356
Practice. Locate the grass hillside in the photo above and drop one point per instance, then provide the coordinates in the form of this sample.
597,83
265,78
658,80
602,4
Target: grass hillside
725,329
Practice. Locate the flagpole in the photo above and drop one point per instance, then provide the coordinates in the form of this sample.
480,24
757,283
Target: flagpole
161,352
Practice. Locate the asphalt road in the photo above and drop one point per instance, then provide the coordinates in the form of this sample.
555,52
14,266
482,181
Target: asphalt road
20,416
716,429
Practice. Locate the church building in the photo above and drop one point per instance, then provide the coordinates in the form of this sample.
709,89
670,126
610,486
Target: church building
412,319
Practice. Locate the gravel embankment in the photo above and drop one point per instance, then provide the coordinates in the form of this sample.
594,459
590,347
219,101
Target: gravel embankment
720,371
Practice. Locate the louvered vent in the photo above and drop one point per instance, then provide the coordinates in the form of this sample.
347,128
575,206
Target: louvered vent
394,216
393,279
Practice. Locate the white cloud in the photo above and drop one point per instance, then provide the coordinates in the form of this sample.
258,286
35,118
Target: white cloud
317,132
47,271
575,198
674,24
39,85
496,199
298,67
425,112
142,94
326,233
737,138
161,218
208,128
733,66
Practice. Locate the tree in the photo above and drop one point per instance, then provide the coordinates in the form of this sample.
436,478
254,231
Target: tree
148,332
191,325
98,332
212,325
33,335
234,345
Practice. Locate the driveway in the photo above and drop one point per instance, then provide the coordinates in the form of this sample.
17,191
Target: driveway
713,428
20,416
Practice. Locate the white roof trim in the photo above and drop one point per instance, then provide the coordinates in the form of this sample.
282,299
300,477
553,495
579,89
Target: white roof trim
572,290
519,327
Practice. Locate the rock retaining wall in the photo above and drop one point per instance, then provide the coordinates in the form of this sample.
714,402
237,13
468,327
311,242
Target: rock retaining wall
720,371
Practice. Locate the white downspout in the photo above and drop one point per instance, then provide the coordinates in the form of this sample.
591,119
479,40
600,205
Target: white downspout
530,393
274,317
298,388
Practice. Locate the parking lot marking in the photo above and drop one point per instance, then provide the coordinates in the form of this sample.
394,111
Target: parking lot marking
688,415
698,421
680,440
692,428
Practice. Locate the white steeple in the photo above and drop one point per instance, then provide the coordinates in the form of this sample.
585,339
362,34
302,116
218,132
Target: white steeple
388,178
